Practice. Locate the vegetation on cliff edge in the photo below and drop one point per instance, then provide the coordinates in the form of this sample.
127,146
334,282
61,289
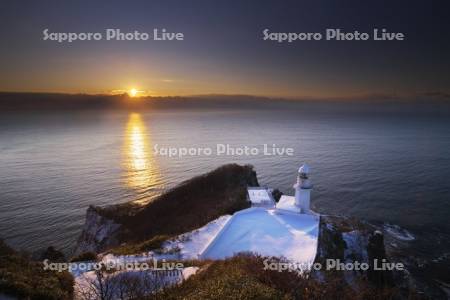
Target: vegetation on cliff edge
244,277
27,279
188,206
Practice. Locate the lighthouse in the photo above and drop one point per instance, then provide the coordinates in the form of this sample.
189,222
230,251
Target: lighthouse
303,188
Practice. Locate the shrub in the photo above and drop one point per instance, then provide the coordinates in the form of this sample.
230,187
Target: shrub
26,279
151,244
186,207
85,256
244,277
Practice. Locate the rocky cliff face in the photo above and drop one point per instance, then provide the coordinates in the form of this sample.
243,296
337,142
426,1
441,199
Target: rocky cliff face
98,234
351,240
344,240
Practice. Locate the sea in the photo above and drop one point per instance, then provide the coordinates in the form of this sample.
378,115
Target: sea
388,164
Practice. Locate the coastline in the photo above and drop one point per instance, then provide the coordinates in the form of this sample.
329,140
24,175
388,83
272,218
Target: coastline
343,238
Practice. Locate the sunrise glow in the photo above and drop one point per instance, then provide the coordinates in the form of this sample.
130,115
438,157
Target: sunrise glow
133,92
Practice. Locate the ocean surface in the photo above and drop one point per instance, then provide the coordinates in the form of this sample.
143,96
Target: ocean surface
387,166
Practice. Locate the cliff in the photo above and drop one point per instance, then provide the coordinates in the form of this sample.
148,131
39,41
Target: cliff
188,206
351,242
205,198
98,233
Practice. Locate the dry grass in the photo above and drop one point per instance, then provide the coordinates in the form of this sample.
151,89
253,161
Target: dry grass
244,277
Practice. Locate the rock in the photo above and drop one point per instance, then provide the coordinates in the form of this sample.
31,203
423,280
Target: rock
350,240
98,234
53,255
276,194
376,251
252,178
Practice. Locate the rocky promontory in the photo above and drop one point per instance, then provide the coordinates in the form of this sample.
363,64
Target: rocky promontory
223,191
188,206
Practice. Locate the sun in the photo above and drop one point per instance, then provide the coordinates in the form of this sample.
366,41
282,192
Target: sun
133,92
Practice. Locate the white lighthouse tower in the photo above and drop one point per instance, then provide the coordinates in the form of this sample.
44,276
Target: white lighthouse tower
303,189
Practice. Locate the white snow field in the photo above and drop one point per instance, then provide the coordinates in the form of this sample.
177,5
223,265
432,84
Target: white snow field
268,232
191,244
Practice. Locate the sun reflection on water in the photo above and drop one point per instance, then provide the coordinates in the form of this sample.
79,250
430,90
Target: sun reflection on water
142,172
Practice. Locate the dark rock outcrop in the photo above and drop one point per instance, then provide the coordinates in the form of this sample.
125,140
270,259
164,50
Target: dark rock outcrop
351,241
377,252
276,194
52,255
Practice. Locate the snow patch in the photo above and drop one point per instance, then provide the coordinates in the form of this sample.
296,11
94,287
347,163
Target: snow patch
288,203
268,232
356,246
398,232
191,244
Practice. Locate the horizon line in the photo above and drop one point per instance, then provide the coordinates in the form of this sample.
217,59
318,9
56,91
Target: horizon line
366,96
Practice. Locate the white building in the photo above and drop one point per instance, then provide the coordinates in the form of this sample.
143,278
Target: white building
260,196
300,203
289,229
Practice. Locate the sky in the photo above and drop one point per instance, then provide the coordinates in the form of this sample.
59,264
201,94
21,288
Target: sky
223,51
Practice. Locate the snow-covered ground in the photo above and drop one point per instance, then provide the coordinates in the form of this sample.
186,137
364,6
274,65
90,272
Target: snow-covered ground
185,246
268,232
288,203
191,244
